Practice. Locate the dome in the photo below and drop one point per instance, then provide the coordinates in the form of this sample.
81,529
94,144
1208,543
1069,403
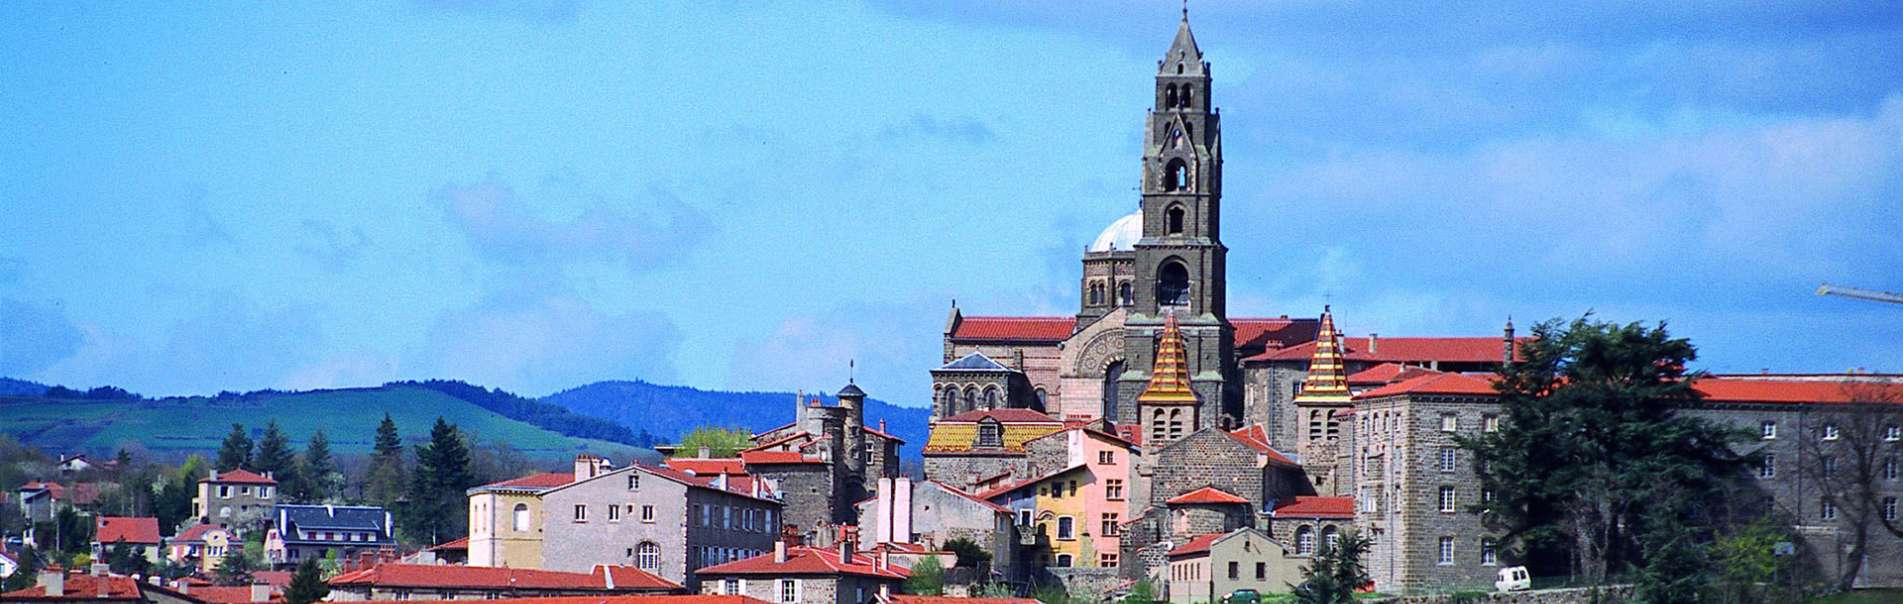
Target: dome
1120,236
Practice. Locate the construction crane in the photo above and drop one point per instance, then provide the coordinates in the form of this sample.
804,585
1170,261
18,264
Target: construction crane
1860,294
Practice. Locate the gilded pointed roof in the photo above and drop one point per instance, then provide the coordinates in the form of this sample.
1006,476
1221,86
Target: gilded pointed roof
1169,377
1327,378
1182,50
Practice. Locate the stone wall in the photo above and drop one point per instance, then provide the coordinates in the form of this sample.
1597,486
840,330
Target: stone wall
1207,457
1579,595
960,470
1087,583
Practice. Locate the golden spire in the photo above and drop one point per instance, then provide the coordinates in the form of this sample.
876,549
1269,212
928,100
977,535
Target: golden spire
1169,377
1327,377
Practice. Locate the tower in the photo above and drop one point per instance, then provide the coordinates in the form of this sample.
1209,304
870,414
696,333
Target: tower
1179,264
1168,405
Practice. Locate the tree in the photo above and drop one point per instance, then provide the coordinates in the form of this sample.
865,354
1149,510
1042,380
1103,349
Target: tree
235,453
970,554
307,585
27,574
1849,457
1591,442
173,503
1335,572
1143,592
319,471
720,442
275,457
437,494
125,559
384,481
235,569
928,578
1747,559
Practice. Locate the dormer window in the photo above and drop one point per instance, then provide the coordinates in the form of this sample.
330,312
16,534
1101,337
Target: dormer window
990,434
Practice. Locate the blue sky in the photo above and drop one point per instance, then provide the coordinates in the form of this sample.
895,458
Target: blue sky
747,194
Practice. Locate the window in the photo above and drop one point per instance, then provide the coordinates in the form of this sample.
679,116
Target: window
1889,468
1486,495
1889,508
706,515
614,513
634,481
789,591
1447,500
990,434
991,397
1305,541
1063,561
1827,465
1768,468
1767,430
224,491
1169,96
1125,294
224,512
1827,511
1261,571
1066,527
1107,458
1176,178
244,490
1490,424
1107,560
1447,459
1235,570
581,512
1172,285
1449,423
1446,551
1830,431
1110,524
1489,553
1024,518
647,513
1893,433
1176,220
730,586
1330,537
1113,489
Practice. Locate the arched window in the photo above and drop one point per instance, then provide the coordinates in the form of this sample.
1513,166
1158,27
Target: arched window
647,556
521,517
1305,541
1158,426
971,398
1185,97
1176,176
950,406
1172,285
1330,537
991,397
1175,215
1179,67
1110,375
1176,424
1040,400
1125,294
1169,96
1176,138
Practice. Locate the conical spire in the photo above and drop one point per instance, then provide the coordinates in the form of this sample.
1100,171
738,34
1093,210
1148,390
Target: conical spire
1169,377
1327,378
1183,57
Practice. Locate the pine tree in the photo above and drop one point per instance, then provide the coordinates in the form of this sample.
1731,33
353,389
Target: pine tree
437,493
307,585
27,574
236,451
928,578
318,471
235,569
384,483
275,457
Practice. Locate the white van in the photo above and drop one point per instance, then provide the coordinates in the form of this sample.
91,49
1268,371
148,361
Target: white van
1514,578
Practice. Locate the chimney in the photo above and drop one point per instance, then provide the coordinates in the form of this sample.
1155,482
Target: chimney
1506,343
706,452
260,592
779,551
846,544
267,474
54,582
586,467
608,576
1374,341
214,476
101,569
885,557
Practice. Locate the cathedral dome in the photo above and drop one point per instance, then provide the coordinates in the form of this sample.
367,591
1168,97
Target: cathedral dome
1120,236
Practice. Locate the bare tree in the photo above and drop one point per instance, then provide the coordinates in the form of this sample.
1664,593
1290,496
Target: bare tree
1854,455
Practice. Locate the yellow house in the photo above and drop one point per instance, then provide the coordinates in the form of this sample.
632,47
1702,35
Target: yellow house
505,518
1063,516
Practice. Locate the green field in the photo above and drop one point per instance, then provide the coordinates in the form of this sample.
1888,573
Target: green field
348,417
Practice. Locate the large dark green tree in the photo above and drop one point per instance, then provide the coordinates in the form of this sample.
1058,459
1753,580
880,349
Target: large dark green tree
385,482
173,502
1335,572
307,585
318,471
437,492
1594,470
235,453
276,457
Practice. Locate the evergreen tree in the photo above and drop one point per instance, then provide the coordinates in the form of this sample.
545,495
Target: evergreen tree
235,453
1332,576
307,585
928,578
319,472
27,575
437,494
173,502
235,569
275,457
384,482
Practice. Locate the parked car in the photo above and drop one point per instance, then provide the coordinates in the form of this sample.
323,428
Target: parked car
1514,578
1242,596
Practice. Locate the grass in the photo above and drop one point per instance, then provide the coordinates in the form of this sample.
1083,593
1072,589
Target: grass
1863,596
348,417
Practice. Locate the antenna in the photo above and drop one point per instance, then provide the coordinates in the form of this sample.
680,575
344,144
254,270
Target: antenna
851,370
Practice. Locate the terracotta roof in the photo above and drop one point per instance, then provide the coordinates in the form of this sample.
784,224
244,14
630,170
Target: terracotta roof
195,533
1206,495
274,578
719,465
1196,545
1742,390
1255,437
604,599
234,594
239,477
1047,329
993,493
905,599
458,544
82,588
1387,373
113,529
544,480
1479,349
806,561
626,578
1273,333
1436,383
736,484
1317,507
1005,415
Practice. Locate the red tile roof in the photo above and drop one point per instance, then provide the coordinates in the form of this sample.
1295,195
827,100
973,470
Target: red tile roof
1004,415
1386,373
1274,333
274,578
905,599
1206,495
1036,329
82,588
1196,545
235,594
113,529
239,477
1436,383
626,578
1745,390
1255,437
195,533
807,561
961,493
1317,507
605,599
735,484
1450,350
778,457
457,544
544,480
719,465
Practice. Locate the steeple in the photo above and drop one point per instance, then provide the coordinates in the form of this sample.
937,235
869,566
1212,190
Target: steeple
1169,377
1183,57
1327,381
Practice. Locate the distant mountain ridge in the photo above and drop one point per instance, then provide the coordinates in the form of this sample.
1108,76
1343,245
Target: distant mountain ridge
667,412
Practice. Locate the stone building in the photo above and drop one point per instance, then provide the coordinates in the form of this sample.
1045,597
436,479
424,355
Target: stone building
824,462
234,498
807,575
505,518
1238,462
930,513
657,519
1307,521
981,449
1208,567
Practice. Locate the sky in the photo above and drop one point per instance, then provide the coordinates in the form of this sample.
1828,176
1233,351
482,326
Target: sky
747,195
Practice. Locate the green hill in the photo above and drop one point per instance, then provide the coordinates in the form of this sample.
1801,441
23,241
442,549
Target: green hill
349,417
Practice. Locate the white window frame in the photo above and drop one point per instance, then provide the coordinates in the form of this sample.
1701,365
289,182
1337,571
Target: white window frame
1889,508
1449,459
1830,432
1768,467
789,591
1066,528
647,513
1449,500
1446,553
1892,433
1490,424
581,512
1767,430
1489,552
1827,510
1449,422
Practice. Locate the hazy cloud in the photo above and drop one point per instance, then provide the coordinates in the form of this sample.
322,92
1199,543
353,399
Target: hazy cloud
329,245
537,343
892,344
957,129
34,337
504,227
